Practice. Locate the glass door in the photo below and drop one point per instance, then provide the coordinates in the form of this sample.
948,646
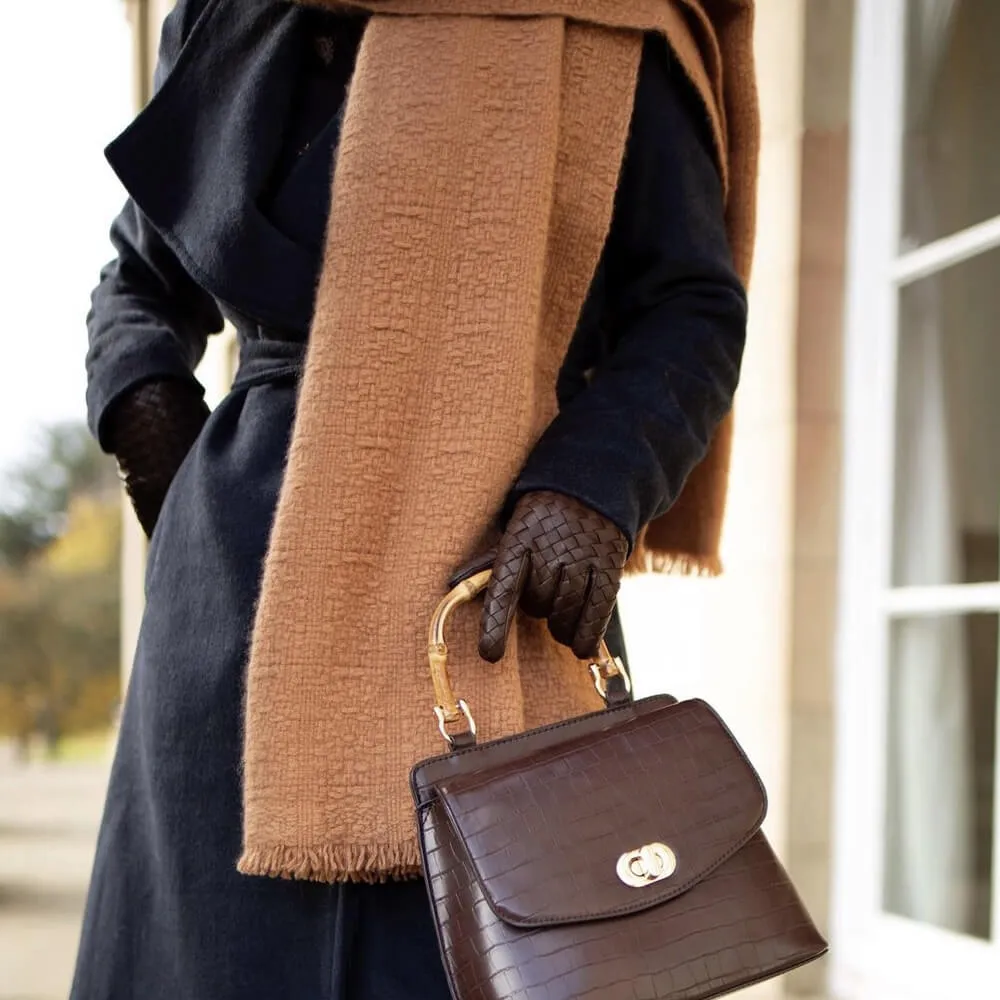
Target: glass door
917,881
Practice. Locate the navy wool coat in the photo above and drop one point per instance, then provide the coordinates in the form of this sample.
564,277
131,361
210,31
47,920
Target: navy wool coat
228,176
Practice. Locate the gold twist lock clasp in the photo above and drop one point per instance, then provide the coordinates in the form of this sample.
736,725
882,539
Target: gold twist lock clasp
646,865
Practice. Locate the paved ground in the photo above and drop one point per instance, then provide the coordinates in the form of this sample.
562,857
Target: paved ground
48,823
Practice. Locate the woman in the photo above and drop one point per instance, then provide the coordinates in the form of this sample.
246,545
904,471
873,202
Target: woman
228,173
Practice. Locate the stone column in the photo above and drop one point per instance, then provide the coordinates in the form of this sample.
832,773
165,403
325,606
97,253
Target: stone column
820,343
145,18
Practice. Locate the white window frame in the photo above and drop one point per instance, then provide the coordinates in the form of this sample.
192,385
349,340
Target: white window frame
878,956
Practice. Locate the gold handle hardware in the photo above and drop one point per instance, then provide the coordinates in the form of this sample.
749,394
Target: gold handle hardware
452,711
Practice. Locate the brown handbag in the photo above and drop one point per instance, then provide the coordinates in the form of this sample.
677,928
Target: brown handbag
616,856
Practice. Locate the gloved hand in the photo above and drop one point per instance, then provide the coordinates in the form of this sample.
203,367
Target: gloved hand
560,560
150,431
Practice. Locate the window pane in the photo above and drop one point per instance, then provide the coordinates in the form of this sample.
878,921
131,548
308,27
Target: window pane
947,488
941,772
951,145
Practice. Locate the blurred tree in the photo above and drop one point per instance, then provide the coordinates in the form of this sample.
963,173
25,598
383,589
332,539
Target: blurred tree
66,462
59,591
91,542
21,536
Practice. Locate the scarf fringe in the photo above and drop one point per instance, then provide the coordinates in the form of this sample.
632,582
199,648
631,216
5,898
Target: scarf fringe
644,560
325,863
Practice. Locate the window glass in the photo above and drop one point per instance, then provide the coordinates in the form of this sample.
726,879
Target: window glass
951,143
947,475
938,845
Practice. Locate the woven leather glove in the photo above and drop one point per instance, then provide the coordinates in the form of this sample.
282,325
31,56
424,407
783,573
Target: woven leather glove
560,560
150,431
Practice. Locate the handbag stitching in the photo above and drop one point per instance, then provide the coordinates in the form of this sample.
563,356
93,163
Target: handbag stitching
515,738
608,735
759,973
502,913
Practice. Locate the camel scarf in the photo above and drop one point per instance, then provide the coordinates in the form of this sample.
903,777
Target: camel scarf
473,190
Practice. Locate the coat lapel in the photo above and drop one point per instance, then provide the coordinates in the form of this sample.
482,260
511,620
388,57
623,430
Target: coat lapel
197,157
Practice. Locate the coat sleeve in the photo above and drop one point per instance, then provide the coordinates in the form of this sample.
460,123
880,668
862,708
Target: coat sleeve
148,317
676,318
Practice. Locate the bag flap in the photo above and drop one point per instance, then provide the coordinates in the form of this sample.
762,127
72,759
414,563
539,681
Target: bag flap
608,824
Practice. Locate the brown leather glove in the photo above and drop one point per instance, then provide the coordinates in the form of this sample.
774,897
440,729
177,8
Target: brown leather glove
560,560
150,431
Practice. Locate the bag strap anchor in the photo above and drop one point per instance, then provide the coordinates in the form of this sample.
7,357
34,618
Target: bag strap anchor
611,679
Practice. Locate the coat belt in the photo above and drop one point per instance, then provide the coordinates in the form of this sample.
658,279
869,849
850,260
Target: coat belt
268,359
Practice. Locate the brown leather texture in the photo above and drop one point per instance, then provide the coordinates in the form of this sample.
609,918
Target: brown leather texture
557,559
590,784
150,430
521,839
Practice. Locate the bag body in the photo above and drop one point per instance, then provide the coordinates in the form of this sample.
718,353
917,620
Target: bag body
615,855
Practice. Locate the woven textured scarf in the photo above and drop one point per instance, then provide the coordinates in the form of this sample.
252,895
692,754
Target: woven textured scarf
472,194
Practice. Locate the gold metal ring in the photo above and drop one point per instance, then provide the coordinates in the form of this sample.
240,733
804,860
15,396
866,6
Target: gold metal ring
452,711
443,721
607,667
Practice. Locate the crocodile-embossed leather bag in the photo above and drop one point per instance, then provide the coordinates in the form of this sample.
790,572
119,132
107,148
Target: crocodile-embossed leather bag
616,856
